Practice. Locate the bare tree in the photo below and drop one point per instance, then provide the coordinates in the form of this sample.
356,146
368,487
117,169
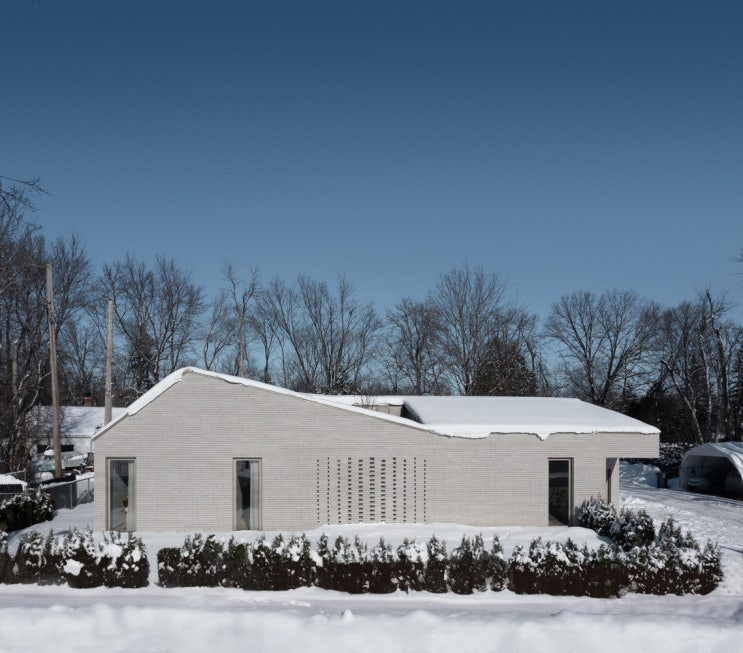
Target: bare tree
605,342
157,313
472,311
414,363
24,338
698,356
17,195
326,340
229,328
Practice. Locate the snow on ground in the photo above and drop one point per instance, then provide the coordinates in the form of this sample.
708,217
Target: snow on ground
35,618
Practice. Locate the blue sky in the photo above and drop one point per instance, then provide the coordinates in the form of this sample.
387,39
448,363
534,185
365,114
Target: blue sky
564,145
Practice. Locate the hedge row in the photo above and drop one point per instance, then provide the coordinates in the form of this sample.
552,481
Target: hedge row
670,563
76,558
344,565
24,510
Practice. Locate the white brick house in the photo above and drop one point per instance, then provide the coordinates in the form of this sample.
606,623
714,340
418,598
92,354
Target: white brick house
208,452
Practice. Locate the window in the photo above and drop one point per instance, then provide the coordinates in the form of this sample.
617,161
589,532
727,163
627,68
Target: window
247,495
560,491
122,506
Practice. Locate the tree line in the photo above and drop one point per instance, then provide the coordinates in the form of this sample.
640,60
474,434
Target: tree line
678,367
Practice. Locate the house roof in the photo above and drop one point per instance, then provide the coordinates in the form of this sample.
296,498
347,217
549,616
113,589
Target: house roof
463,417
75,421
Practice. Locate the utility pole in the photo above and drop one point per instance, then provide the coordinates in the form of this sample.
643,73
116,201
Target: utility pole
53,368
109,354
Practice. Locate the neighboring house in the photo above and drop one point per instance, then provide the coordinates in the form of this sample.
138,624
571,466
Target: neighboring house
77,426
207,452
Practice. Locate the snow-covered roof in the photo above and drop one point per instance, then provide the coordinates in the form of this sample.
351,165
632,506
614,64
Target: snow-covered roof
75,421
463,417
7,479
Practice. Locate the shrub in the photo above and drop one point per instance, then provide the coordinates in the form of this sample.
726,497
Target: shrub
350,566
261,565
382,568
79,560
294,565
24,510
673,564
201,562
596,514
435,575
631,529
37,559
468,567
410,566
236,565
6,564
549,568
497,568
123,559
605,576
169,567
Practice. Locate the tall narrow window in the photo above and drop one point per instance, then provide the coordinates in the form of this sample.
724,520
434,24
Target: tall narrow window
122,506
560,491
247,495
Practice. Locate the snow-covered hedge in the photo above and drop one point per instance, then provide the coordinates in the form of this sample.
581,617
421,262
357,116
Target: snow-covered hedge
78,559
24,510
343,565
668,562
638,561
562,568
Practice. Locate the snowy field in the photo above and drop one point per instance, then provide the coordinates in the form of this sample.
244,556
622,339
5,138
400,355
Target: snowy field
189,620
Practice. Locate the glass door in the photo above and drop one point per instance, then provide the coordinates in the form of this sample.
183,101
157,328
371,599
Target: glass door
122,511
560,491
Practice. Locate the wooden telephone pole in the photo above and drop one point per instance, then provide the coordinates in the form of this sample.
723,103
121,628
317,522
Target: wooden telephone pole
109,354
53,369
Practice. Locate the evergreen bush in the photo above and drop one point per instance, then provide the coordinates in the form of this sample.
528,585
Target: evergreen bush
631,529
24,510
673,564
497,569
201,562
262,565
6,563
435,576
37,560
468,567
549,568
596,514
169,567
294,565
410,567
79,560
123,559
382,569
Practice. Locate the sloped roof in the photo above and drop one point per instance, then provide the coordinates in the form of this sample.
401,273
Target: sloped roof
464,417
75,421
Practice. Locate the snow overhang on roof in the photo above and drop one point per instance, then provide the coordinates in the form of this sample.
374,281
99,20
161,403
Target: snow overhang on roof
462,417
541,416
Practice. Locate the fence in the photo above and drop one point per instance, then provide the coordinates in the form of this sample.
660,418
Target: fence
71,493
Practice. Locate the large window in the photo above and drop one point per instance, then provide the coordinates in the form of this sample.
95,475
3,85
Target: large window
247,495
560,491
122,508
